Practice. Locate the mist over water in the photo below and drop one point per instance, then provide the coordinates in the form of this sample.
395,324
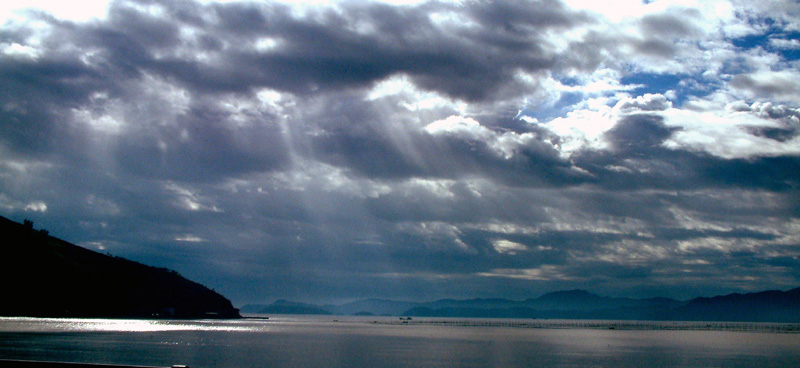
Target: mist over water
291,341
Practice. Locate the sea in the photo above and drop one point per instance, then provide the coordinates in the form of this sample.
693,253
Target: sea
374,342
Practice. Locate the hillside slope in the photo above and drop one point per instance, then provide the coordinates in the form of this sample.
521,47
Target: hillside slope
43,276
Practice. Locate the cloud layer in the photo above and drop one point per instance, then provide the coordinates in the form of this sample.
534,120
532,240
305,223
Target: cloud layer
434,149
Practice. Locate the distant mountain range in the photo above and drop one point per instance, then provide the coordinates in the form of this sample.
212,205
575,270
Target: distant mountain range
43,276
766,306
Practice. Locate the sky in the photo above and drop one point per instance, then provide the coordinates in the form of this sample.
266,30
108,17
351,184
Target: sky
326,151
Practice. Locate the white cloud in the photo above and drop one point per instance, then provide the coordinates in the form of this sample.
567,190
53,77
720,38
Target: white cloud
189,238
583,128
36,206
408,96
647,102
83,10
504,246
466,128
784,44
777,86
21,51
615,10
713,124
188,200
726,133
542,273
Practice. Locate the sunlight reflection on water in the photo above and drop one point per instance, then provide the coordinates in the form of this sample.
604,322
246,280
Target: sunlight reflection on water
328,341
23,324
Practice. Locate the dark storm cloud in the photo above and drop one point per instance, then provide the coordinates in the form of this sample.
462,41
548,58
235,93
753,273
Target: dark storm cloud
205,143
358,137
662,35
114,59
637,157
314,53
655,167
247,146
449,156
777,86
789,119
675,22
639,133
35,98
322,50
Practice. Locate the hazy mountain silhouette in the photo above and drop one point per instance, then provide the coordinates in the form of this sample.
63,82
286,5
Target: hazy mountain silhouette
378,307
43,276
286,307
767,306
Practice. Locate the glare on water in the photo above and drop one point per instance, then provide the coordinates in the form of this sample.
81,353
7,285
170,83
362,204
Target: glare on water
325,341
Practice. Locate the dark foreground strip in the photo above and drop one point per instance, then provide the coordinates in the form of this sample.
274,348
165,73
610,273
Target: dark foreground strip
36,364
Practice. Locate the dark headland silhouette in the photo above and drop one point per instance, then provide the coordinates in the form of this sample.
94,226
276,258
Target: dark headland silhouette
43,276
765,306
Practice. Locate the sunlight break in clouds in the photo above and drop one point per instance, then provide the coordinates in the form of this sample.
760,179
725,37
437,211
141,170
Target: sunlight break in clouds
83,10
332,150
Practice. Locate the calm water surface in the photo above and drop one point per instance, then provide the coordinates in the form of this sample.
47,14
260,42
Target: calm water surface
292,341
